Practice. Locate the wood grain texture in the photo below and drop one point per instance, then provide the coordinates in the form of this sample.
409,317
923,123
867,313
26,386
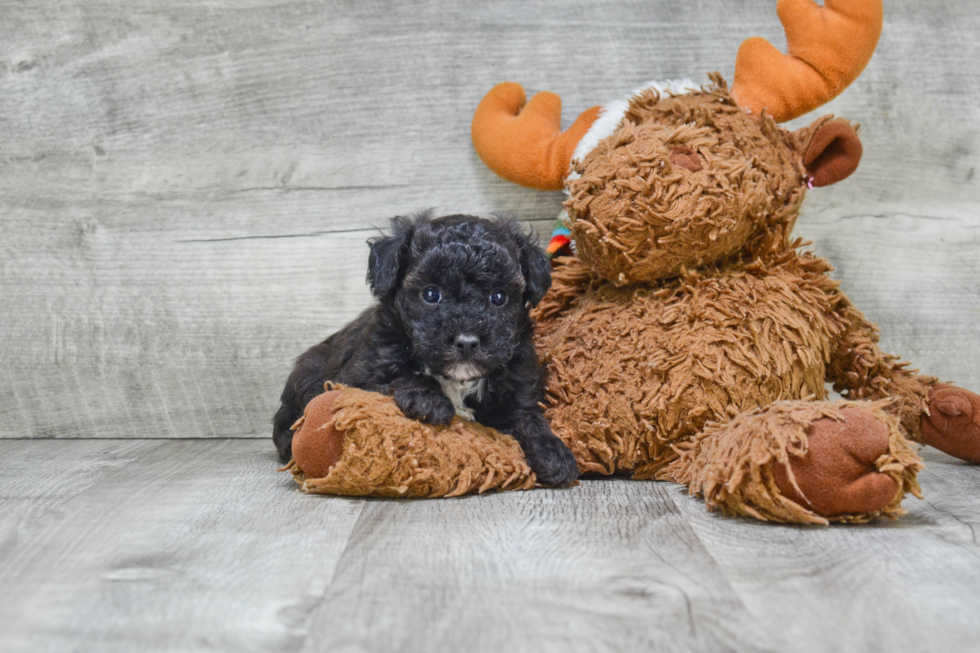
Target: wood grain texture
157,545
609,565
186,188
198,545
898,585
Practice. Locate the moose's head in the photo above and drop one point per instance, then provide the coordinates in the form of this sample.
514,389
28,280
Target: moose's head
677,178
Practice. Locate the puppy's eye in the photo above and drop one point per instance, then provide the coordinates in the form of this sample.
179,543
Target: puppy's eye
498,298
431,295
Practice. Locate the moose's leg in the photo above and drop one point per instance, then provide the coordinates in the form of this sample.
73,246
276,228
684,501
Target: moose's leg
952,424
803,462
358,443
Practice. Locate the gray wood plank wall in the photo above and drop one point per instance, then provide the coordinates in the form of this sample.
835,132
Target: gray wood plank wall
186,187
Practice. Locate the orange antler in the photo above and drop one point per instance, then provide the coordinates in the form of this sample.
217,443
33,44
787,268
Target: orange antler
828,48
525,144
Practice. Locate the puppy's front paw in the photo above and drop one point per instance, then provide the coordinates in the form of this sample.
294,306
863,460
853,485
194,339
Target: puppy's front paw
425,405
553,462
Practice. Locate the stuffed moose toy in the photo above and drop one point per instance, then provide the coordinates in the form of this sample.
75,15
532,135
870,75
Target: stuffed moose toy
688,339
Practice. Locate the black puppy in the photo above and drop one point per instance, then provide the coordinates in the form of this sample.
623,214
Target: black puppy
450,335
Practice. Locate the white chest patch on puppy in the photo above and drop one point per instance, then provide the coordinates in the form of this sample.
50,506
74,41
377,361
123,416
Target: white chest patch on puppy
458,391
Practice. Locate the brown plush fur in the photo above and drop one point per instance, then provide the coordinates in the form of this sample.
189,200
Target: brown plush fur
385,454
731,465
638,217
691,305
690,341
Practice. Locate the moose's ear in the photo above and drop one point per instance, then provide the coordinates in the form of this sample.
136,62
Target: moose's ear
389,254
833,152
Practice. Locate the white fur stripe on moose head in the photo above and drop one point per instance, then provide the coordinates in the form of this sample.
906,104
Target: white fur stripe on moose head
612,114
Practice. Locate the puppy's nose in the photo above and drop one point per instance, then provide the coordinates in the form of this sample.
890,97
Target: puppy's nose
467,343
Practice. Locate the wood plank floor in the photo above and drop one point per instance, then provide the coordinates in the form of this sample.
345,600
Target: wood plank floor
156,545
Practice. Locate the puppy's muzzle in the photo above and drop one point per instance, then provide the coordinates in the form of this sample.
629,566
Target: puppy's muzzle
466,344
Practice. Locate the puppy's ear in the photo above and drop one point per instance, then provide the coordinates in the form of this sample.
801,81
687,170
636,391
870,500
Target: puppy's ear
534,264
389,255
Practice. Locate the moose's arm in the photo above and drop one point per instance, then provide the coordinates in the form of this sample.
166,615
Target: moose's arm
860,370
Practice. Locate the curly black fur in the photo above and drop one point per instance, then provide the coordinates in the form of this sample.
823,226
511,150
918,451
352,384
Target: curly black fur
453,299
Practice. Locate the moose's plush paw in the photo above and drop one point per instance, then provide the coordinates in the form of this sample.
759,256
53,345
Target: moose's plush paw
317,444
953,422
837,475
